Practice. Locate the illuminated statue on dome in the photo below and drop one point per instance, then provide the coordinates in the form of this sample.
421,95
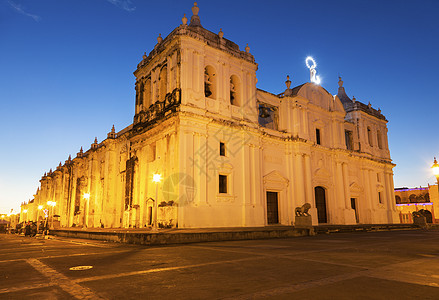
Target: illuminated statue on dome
312,70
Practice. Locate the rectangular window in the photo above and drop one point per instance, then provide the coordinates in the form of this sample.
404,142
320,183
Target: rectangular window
222,184
318,136
349,140
380,198
222,149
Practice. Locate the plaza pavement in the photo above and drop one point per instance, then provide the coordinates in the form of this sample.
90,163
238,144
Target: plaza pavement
401,264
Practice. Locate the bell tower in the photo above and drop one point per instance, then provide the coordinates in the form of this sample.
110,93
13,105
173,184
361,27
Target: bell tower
198,70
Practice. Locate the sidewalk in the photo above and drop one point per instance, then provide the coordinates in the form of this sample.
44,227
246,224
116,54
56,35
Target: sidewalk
145,236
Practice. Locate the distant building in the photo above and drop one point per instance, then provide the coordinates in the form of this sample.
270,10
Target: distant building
409,200
229,154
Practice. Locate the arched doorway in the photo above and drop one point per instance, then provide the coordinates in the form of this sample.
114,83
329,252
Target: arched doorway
427,214
320,196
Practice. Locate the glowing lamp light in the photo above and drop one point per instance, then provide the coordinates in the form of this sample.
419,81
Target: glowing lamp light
40,207
156,178
435,168
87,196
49,203
53,203
312,70
25,210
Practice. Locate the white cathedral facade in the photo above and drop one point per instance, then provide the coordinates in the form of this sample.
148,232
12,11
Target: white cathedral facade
230,154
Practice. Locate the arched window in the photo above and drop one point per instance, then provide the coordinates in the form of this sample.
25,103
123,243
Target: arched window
235,91
380,145
139,96
209,82
147,94
397,199
163,85
369,136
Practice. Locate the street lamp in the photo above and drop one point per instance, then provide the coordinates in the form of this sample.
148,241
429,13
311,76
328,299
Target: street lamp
156,178
40,207
52,204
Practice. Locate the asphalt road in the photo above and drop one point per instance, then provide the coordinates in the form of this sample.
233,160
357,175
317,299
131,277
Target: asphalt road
373,265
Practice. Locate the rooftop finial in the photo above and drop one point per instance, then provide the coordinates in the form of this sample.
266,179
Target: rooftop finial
80,153
184,20
112,133
340,82
288,82
159,38
144,55
95,143
288,91
195,19
247,49
195,9
221,33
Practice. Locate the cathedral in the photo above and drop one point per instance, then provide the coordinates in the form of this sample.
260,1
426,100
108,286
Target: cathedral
222,152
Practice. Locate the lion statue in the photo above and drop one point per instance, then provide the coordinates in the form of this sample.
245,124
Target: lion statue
303,210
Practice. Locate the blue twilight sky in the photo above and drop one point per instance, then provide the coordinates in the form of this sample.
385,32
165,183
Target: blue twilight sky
66,70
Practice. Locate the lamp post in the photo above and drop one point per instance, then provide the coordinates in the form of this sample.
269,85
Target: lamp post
40,207
53,204
156,178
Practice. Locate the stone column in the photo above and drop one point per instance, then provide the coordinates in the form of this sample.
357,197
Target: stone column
340,186
310,191
373,192
255,163
308,183
299,182
346,186
204,168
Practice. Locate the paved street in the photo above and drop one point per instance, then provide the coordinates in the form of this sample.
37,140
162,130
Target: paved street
373,265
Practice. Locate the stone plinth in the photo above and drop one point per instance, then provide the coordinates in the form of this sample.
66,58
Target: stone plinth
303,222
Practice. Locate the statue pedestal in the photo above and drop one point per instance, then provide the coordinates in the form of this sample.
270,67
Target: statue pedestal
303,222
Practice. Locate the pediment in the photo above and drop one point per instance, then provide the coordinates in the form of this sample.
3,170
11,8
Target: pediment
355,187
276,177
323,173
